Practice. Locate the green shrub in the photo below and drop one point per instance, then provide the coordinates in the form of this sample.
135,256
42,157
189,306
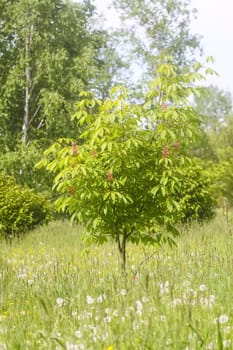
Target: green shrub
20,163
195,197
21,209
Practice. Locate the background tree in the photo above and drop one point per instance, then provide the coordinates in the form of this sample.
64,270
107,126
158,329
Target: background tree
50,51
215,105
155,27
216,145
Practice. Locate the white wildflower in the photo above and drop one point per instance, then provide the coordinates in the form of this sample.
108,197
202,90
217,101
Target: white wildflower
100,298
3,347
203,288
139,313
223,319
70,346
226,344
89,299
151,309
136,326
164,287
186,283
210,346
162,318
228,329
115,313
105,336
60,302
145,299
123,292
176,302
139,305
78,334
107,319
93,328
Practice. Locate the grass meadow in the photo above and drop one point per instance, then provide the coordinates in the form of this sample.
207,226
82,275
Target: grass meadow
57,294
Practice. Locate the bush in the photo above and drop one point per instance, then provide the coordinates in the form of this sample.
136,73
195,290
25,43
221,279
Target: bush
21,209
20,163
195,197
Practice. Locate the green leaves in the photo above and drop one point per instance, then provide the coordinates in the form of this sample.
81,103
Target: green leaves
21,209
54,42
128,164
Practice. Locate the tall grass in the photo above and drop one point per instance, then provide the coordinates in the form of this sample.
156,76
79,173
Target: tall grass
57,294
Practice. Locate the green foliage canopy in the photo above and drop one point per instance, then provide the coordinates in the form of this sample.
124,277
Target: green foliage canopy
49,52
119,175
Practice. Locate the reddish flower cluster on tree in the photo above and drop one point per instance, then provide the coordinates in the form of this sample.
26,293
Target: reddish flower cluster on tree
165,152
176,146
71,191
74,150
110,176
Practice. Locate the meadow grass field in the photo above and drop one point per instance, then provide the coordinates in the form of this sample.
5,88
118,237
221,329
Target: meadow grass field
55,293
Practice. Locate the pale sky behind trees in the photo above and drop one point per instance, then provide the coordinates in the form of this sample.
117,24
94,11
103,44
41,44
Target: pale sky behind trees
215,23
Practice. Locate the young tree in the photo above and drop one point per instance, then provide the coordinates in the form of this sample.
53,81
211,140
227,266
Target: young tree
120,175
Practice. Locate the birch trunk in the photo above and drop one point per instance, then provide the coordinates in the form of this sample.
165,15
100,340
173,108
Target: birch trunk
26,118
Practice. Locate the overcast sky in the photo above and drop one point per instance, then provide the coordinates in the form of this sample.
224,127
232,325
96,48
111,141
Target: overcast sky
215,24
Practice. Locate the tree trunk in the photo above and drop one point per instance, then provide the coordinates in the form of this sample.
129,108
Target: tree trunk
122,251
26,118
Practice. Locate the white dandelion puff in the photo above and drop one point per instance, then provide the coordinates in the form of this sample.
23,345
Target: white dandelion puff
221,319
60,302
203,288
226,344
123,292
89,299
78,334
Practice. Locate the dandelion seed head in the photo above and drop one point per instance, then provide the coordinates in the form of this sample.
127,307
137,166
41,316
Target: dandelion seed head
139,313
210,346
78,334
123,292
223,319
145,299
100,298
227,329
22,276
60,302
89,299
203,288
139,305
162,318
107,319
176,302
226,344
